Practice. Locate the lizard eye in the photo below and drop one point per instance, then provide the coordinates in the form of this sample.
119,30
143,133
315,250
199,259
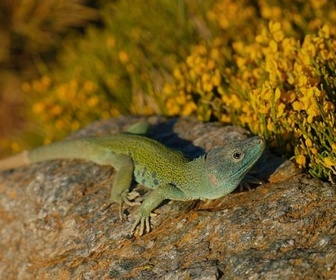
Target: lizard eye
237,155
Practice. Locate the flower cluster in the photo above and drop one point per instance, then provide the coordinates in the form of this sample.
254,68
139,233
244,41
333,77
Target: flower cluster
196,79
56,114
293,103
276,86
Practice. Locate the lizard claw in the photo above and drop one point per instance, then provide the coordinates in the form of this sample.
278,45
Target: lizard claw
248,181
144,222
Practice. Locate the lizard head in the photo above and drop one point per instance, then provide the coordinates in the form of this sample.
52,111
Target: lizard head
226,166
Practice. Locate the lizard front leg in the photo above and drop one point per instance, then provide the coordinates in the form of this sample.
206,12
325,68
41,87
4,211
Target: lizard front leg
152,201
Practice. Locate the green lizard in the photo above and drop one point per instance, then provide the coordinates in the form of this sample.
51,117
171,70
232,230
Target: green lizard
169,173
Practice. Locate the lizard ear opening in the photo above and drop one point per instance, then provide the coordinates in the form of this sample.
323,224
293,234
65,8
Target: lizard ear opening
212,154
205,156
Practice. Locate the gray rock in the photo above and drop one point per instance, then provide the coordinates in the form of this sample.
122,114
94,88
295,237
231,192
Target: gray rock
56,222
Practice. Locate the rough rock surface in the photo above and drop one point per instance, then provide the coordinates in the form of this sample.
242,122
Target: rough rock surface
56,222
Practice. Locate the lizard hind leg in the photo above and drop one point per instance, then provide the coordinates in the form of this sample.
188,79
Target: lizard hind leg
122,181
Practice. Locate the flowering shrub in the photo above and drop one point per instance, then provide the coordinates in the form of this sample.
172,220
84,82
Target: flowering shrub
276,86
268,65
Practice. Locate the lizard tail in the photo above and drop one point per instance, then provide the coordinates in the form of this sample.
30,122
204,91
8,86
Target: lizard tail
15,161
60,150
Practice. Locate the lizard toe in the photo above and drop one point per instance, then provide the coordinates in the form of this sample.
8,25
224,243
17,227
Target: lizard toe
127,197
133,195
143,225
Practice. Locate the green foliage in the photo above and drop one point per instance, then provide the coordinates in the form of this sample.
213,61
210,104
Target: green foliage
33,28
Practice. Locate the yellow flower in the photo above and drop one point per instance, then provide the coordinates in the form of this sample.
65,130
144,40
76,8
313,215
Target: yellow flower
214,54
56,110
236,102
333,146
225,119
177,73
110,42
216,79
277,94
189,109
240,61
207,87
188,88
275,29
280,110
329,162
38,108
314,151
325,31
289,46
303,80
312,112
309,142
123,56
201,50
168,89
89,86
297,106
262,38
270,126
192,75
278,36
328,107
93,101
300,160
264,109
325,54
181,99
205,78
273,46
211,64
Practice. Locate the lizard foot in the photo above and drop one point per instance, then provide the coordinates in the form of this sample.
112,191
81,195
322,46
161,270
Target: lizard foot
133,195
249,180
144,222
126,198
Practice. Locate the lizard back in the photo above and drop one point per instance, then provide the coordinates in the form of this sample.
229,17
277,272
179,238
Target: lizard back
153,162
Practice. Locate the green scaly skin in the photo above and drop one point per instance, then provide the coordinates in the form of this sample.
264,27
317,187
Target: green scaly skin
168,173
